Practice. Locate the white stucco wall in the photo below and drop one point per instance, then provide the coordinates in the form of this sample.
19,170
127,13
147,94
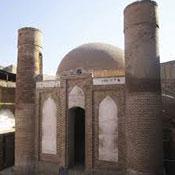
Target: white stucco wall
76,98
49,127
108,130
7,121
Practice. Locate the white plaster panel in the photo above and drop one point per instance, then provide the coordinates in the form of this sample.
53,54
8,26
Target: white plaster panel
47,84
108,130
49,127
7,121
76,98
109,81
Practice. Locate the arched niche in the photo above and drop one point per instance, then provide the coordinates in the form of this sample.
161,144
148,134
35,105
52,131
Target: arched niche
76,98
49,114
108,130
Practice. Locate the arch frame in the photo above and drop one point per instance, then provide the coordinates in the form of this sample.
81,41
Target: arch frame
76,98
42,96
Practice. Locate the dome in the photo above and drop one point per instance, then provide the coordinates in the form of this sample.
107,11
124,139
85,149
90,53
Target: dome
92,57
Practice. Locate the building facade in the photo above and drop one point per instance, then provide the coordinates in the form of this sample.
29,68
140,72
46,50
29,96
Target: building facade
7,113
103,112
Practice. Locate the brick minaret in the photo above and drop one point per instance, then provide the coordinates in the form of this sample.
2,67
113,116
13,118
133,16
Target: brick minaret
29,69
143,99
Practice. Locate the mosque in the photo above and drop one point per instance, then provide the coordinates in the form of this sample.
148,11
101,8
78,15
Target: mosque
107,112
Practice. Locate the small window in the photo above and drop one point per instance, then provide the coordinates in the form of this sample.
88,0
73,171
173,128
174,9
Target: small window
79,71
40,55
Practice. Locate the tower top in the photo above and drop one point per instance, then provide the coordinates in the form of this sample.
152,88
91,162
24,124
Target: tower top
29,28
29,36
140,2
150,1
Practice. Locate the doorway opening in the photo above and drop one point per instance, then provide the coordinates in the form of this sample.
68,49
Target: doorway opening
76,137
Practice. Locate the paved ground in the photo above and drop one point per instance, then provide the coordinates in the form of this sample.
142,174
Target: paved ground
7,171
10,171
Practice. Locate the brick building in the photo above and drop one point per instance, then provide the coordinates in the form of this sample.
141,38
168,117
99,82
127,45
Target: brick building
7,112
103,112
7,89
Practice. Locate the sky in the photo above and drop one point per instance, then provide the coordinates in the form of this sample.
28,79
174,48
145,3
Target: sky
66,24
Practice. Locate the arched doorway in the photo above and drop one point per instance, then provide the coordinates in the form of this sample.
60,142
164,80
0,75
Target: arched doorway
76,137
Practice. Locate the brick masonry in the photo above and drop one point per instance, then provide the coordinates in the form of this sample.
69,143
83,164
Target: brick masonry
28,69
7,98
143,90
138,102
93,96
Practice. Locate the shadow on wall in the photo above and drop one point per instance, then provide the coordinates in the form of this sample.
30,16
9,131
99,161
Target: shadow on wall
7,138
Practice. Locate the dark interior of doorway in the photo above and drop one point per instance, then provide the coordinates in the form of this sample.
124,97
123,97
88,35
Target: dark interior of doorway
77,137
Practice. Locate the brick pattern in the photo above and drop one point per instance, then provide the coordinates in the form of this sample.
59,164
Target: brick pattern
144,132
44,94
7,98
85,83
141,51
7,95
143,91
62,122
93,96
168,102
140,104
28,69
117,94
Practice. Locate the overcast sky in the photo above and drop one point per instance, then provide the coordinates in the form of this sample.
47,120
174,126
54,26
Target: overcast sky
67,24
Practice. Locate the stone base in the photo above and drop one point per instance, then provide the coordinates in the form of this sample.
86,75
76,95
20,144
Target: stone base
51,169
134,172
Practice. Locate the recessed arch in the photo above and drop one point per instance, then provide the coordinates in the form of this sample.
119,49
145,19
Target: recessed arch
49,113
108,130
76,98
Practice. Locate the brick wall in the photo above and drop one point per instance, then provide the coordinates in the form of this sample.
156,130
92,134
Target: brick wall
93,96
7,98
117,93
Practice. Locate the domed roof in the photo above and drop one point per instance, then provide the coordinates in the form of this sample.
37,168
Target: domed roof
91,57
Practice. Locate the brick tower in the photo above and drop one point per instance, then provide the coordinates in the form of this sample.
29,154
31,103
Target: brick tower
143,99
29,69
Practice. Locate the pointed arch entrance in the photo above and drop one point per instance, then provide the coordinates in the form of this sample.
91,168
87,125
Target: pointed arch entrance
76,137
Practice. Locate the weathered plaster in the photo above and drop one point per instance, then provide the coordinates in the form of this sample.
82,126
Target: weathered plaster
108,130
49,127
76,98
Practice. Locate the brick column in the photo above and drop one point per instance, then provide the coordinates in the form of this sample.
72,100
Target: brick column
143,99
29,69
